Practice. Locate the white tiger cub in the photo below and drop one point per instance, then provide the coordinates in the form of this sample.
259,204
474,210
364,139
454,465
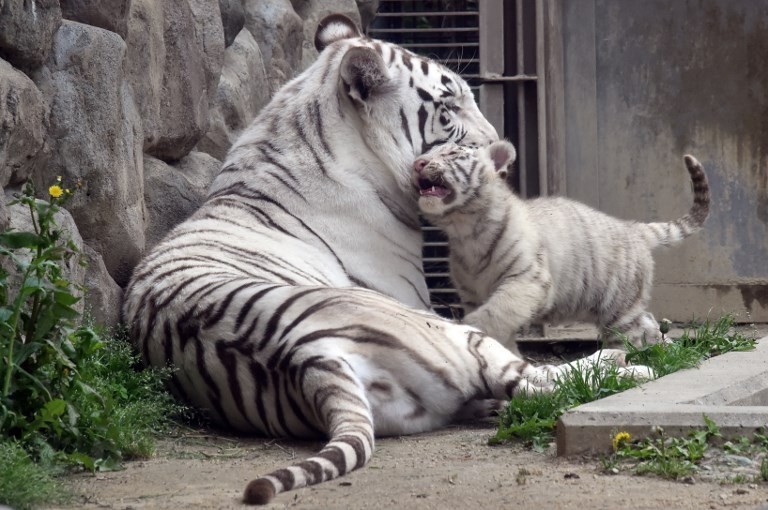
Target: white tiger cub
514,261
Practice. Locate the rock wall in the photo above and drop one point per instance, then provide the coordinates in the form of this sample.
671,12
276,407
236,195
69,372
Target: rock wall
139,102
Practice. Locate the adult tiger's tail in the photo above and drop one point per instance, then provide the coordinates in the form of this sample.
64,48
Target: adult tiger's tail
350,423
670,232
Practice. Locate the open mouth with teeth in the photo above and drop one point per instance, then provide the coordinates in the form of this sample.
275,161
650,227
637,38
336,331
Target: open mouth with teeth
433,188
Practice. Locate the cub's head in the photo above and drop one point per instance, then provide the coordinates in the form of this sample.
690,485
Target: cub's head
402,104
451,177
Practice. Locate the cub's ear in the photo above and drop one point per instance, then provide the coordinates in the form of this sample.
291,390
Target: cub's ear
364,74
335,28
502,153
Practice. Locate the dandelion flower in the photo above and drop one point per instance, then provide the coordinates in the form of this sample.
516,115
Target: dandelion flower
55,191
620,439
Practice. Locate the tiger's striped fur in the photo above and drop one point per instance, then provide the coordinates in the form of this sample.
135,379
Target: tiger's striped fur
514,261
293,302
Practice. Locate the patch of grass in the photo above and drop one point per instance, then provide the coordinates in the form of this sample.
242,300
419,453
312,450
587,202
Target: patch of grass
530,418
764,469
669,457
134,406
697,343
23,483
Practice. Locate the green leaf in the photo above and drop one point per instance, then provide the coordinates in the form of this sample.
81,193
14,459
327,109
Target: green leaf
5,314
109,464
65,298
55,408
16,240
84,460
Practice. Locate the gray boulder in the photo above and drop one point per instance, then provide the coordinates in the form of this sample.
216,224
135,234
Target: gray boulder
279,32
311,12
96,138
103,297
107,14
173,193
27,29
175,49
23,126
243,91
233,19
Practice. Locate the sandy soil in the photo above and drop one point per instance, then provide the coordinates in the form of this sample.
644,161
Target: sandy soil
450,469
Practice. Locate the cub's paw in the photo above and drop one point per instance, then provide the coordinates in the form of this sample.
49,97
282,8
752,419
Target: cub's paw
640,372
609,356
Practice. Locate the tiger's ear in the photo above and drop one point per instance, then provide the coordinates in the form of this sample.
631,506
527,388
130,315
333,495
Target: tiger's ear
364,74
502,154
335,28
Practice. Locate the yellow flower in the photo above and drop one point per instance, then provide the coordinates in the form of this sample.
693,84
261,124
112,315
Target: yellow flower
620,439
55,191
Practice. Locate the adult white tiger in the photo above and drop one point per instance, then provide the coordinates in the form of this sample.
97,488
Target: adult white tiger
280,302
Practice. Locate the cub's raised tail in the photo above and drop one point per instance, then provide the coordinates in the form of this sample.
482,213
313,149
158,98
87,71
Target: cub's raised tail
671,232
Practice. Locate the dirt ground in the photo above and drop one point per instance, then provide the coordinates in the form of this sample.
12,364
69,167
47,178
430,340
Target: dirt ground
454,468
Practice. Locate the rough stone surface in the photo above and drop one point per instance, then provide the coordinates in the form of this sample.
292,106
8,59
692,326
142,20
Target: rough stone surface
96,138
312,11
103,297
233,19
120,82
26,30
278,30
243,91
108,14
5,218
173,193
20,220
22,126
175,50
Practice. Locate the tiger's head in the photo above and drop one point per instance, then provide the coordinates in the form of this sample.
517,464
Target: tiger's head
402,104
452,178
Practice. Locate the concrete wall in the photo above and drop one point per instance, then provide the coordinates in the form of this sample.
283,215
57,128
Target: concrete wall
640,84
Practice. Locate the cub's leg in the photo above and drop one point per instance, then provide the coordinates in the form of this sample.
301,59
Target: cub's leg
512,305
639,327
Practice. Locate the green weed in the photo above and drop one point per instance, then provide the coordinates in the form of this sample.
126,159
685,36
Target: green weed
669,457
67,396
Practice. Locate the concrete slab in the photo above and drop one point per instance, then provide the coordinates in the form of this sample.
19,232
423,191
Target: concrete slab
731,390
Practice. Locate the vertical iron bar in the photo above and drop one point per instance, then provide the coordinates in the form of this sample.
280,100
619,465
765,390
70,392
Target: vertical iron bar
541,100
522,166
491,24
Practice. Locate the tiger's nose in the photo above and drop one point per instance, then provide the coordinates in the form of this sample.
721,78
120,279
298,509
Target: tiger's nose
419,165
